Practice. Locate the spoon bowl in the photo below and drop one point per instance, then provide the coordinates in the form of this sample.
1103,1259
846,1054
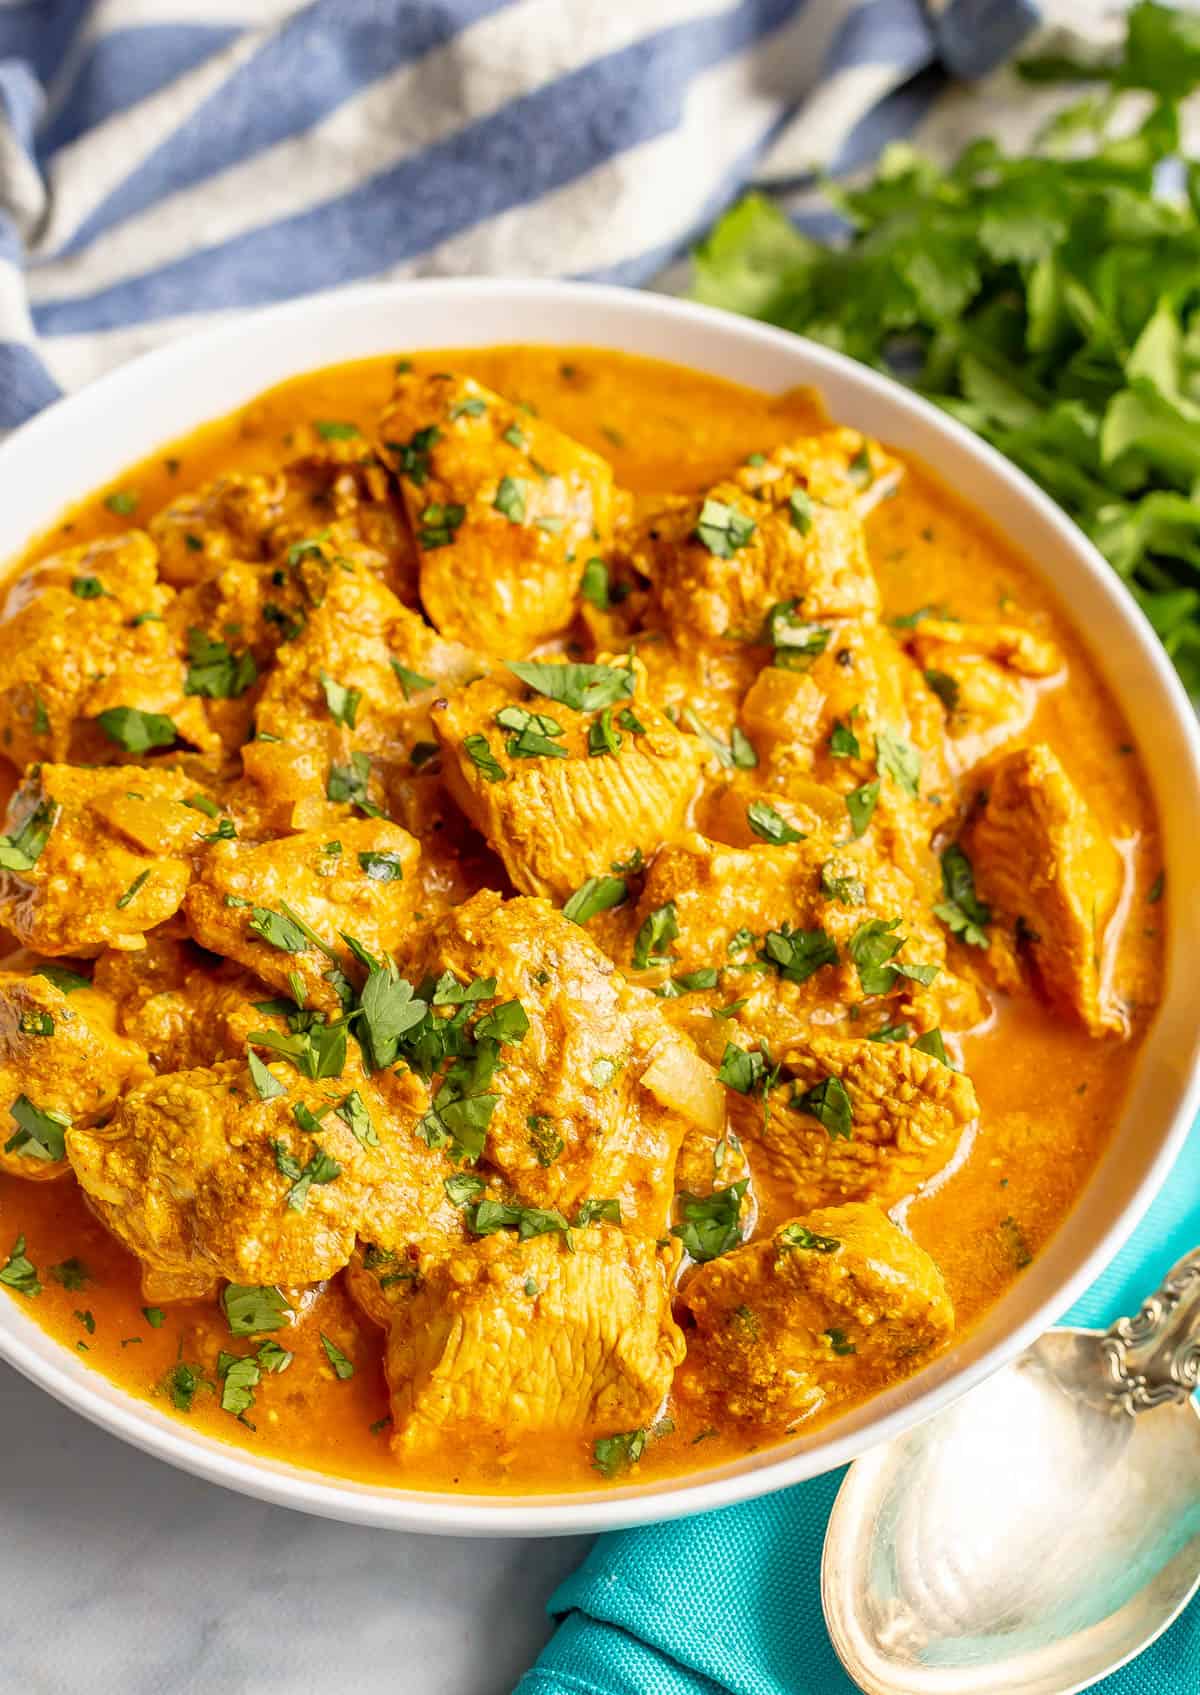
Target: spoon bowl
1039,1532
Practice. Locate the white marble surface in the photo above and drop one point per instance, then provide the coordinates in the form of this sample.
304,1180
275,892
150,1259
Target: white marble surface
119,1576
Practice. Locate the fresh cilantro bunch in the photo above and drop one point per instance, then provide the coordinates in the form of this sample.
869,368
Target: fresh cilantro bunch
1049,300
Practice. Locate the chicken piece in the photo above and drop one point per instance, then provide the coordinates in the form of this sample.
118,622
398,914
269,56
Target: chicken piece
61,1062
803,909
786,530
1043,866
510,1338
202,1179
262,905
829,1308
94,858
592,1101
360,675
82,634
337,486
172,1001
229,518
561,793
864,715
895,1120
505,509
987,677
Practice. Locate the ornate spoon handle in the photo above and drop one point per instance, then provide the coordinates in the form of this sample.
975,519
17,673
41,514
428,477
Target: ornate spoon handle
1155,1357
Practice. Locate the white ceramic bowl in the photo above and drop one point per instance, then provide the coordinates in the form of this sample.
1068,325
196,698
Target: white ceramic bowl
88,439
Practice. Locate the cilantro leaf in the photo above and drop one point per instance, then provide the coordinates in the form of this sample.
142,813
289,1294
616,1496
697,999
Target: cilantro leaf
251,1309
584,688
767,823
598,894
136,731
215,670
828,1102
711,1223
964,914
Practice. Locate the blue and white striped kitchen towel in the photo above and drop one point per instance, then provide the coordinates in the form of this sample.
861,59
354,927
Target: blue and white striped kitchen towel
165,162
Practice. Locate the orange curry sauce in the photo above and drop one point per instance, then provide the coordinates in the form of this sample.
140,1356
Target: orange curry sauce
1049,1095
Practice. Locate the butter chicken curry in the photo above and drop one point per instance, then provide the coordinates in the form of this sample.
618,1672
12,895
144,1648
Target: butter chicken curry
569,920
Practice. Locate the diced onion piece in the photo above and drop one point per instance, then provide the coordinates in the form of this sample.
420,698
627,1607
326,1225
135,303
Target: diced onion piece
683,1082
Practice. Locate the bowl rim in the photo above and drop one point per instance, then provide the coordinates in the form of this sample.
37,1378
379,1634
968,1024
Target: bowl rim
138,1422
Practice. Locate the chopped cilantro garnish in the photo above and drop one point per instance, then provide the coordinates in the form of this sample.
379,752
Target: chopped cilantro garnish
40,1132
740,752
843,743
770,825
413,457
439,524
963,913
800,1236
798,954
603,736
214,670
511,498
350,784
723,529
711,1223
136,731
596,895
894,758
945,687
88,588
252,1309
657,931
843,887
134,890
267,1086
342,1367
860,804
343,702
335,429
800,510
18,1271
478,750
122,501
22,850
873,948
612,1455
321,1167
932,1042
280,932
827,1102
593,585
382,866
411,682
584,688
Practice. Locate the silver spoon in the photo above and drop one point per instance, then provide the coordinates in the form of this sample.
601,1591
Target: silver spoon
1038,1533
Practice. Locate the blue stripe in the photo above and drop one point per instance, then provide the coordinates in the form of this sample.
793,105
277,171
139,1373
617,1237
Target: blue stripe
25,384
40,32
126,66
895,117
882,32
318,59
20,103
534,145
644,267
974,36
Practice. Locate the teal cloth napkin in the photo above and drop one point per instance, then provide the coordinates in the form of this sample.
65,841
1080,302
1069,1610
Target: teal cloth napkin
730,1601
